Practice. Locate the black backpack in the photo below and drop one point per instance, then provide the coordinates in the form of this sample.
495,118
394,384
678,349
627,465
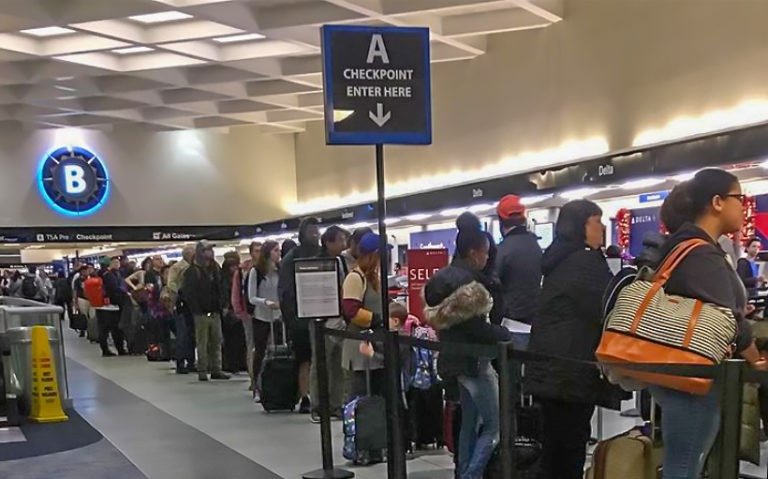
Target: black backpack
29,287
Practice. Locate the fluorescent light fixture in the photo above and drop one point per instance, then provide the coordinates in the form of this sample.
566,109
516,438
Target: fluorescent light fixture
47,31
418,217
244,37
683,176
130,50
68,97
160,17
482,207
641,183
64,78
579,193
64,88
452,212
392,221
764,164
355,226
532,200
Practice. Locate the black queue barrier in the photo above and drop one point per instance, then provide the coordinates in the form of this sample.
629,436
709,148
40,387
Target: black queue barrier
729,378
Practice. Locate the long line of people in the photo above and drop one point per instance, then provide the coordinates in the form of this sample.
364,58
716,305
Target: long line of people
224,318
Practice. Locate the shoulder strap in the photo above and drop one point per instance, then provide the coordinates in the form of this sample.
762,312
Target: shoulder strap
674,258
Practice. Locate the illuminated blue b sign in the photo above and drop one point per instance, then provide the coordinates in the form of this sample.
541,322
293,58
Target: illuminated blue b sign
74,181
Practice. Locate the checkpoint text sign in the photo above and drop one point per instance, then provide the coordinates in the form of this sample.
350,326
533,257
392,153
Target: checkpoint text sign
376,85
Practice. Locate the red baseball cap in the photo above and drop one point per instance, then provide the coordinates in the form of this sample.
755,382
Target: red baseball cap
510,206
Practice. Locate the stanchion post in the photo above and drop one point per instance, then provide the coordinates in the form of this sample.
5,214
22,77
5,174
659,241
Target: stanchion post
730,428
396,467
326,441
507,416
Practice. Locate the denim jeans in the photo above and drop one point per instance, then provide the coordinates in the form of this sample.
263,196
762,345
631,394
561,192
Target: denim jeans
479,421
690,424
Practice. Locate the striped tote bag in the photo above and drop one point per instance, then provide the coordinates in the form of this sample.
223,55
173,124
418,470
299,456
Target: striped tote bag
646,325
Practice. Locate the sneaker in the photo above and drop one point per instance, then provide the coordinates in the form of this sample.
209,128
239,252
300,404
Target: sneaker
107,354
219,375
202,377
314,417
304,405
256,396
81,334
122,352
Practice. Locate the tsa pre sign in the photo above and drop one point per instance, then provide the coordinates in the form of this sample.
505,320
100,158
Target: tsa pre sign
376,85
422,264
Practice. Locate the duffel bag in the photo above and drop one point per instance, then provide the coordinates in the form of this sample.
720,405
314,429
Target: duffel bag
646,325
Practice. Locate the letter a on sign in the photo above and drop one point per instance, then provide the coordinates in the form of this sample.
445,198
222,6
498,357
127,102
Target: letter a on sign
74,179
377,49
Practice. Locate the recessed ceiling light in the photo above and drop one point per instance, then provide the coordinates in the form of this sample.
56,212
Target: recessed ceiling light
245,37
129,50
47,31
63,88
160,17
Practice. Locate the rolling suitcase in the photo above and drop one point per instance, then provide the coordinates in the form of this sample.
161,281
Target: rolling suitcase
279,376
635,454
365,428
425,409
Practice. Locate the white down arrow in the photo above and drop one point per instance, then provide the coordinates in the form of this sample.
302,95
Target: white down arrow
380,118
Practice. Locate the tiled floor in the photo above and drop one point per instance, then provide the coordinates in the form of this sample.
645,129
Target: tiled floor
173,426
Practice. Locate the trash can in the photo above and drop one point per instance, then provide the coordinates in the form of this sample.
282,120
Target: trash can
20,372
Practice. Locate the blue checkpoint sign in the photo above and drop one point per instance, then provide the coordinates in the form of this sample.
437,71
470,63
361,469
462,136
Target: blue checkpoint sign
376,85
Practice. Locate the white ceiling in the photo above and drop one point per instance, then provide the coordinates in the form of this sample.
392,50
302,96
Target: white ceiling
80,77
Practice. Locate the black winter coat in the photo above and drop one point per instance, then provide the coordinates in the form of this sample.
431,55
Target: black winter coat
744,270
518,267
569,325
457,305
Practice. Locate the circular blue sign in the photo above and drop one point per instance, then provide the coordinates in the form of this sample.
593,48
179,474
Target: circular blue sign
73,180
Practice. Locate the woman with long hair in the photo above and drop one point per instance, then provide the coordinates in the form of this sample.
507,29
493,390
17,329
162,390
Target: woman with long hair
362,311
709,206
262,294
458,304
569,325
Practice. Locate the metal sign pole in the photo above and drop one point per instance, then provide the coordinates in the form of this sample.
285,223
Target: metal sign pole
396,467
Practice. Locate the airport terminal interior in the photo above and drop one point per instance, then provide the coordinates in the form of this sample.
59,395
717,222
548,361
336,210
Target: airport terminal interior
193,190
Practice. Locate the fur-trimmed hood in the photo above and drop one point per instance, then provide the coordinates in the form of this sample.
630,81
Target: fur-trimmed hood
468,301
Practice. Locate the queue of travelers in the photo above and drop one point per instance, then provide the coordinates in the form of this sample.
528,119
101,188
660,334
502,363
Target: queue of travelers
226,318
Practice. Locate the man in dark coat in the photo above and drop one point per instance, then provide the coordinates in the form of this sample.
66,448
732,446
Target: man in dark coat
309,247
202,283
518,262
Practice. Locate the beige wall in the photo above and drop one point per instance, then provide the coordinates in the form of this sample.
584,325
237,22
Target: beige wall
173,178
610,70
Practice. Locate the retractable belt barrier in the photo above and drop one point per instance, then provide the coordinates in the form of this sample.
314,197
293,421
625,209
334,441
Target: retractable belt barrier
730,377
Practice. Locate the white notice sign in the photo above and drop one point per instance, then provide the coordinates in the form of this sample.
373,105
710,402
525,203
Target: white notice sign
318,293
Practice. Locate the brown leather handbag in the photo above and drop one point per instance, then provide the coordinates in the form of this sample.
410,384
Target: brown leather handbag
646,325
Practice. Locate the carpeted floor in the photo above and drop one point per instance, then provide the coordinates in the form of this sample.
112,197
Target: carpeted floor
50,438
97,460
66,450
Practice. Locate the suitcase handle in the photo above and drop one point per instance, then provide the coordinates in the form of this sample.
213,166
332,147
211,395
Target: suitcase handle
272,333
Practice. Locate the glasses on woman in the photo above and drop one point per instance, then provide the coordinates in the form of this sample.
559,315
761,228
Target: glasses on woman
739,196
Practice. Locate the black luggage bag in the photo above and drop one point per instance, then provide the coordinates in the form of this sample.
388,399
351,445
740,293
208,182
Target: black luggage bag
279,376
425,410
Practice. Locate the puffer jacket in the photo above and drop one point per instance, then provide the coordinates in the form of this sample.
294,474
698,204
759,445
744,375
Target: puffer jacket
569,325
457,306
